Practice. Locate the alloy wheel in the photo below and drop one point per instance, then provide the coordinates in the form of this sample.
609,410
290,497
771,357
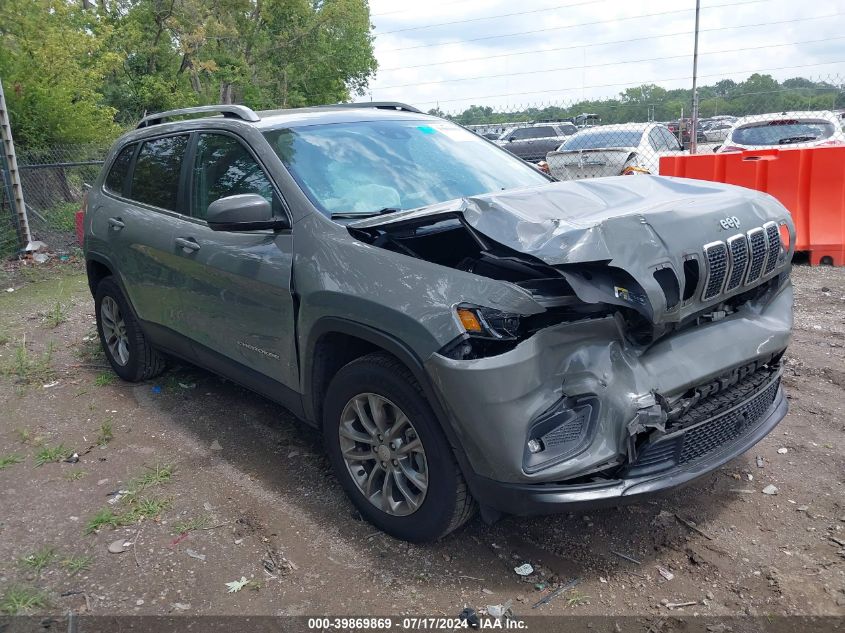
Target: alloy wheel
384,454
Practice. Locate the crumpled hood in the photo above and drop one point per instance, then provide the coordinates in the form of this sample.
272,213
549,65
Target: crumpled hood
636,223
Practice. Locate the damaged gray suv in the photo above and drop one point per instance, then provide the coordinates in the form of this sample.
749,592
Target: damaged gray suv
465,332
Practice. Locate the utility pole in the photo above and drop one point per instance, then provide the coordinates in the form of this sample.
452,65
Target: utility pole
693,143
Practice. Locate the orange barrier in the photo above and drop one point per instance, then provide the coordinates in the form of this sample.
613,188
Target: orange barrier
808,182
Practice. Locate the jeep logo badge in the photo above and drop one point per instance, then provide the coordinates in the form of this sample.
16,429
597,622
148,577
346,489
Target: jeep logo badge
730,222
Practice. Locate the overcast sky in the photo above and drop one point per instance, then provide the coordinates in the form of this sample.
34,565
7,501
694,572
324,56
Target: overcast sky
575,51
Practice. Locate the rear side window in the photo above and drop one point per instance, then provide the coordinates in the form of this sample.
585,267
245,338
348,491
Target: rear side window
155,180
533,132
116,178
223,168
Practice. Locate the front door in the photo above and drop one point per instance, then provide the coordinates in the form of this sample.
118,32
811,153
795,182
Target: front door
236,298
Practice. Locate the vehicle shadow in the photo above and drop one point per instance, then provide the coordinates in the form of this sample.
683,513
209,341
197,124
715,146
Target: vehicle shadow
285,456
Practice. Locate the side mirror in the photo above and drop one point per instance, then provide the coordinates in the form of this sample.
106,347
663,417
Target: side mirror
717,148
243,212
511,139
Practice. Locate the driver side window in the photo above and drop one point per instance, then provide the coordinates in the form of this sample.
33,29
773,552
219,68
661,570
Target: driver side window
223,167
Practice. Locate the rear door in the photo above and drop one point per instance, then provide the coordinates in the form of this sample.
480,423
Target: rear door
139,209
237,284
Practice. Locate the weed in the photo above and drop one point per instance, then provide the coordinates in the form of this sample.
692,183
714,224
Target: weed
56,315
155,476
575,598
104,379
196,523
8,460
28,369
103,518
24,435
39,559
20,599
149,508
105,434
90,350
76,564
50,454
75,475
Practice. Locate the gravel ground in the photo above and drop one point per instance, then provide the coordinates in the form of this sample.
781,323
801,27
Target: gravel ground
225,485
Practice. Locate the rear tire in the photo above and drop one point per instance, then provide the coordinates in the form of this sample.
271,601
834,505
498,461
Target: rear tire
426,497
124,344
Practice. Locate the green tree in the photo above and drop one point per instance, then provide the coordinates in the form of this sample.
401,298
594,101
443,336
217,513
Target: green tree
52,63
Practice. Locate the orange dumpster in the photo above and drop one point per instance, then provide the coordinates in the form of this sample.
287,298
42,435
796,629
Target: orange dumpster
809,182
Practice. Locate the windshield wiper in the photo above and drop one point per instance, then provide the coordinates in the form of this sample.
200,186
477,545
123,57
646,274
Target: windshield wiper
796,139
366,214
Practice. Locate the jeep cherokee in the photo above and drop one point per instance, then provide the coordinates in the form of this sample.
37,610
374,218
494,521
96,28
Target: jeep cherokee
466,332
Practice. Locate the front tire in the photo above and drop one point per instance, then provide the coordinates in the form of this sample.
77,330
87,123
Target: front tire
389,453
124,344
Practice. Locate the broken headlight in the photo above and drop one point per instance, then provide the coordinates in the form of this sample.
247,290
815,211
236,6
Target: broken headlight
488,322
487,332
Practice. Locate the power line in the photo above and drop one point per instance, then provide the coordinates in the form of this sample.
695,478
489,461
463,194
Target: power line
634,83
613,63
596,44
570,26
488,17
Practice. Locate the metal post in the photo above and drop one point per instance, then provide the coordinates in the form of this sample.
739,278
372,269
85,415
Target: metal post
693,143
11,165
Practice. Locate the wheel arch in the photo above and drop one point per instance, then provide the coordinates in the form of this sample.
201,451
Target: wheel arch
331,335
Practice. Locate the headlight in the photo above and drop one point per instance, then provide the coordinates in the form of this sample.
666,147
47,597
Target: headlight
488,322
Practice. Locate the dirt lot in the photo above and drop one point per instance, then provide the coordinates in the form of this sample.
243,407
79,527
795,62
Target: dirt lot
221,480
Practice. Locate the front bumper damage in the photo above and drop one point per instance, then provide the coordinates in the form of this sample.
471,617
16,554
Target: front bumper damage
608,396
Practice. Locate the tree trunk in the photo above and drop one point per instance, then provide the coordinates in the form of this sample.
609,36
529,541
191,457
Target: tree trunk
225,92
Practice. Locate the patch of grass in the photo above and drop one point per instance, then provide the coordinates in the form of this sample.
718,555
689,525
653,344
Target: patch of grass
50,454
155,476
75,475
10,459
90,350
574,598
19,599
149,508
24,435
56,315
75,564
4,338
105,434
39,559
104,379
27,368
195,523
104,518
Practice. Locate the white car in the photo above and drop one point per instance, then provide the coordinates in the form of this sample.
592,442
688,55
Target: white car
613,150
785,130
718,130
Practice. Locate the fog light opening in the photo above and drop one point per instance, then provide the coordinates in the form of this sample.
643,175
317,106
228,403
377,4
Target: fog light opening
535,446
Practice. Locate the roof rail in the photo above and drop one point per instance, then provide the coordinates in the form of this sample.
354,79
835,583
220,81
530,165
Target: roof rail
230,111
380,105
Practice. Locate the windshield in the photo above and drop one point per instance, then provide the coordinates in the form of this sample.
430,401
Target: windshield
783,132
598,138
371,166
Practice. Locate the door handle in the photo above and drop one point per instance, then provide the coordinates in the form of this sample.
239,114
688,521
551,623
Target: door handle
116,223
187,243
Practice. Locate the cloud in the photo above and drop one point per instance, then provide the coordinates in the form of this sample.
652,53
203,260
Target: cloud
557,51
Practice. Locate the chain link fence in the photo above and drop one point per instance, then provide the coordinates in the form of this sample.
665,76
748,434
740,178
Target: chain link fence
54,181
629,134
9,237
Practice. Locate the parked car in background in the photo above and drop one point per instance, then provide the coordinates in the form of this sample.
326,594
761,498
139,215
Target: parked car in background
785,129
532,143
717,130
681,128
613,150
